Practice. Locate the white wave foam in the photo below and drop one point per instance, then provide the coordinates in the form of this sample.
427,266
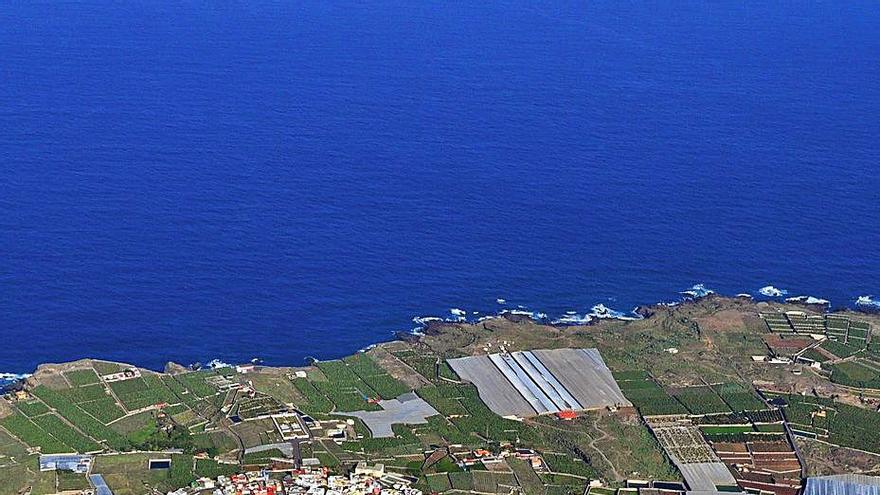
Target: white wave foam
604,312
501,301
771,291
14,376
808,300
534,315
697,291
216,363
868,302
424,320
458,312
743,295
7,379
572,319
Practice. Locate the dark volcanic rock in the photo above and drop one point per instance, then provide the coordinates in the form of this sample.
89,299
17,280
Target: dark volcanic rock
516,318
406,337
644,311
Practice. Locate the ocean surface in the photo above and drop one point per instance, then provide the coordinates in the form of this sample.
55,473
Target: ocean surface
183,181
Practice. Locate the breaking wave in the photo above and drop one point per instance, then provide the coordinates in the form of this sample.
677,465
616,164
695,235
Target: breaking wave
697,291
597,312
424,320
216,363
458,314
604,312
522,312
7,379
572,318
771,291
868,302
808,300
567,318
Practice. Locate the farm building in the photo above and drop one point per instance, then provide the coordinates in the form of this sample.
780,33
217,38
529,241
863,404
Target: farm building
701,468
843,484
65,462
101,487
407,409
770,466
530,383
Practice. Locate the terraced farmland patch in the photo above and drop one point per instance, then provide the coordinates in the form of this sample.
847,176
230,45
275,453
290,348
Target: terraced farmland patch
839,349
856,374
66,433
836,423
739,397
30,433
82,377
650,398
375,377
700,400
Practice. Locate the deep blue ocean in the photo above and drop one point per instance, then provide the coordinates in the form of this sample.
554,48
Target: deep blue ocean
194,180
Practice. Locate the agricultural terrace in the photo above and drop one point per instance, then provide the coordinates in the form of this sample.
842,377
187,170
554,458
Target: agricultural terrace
72,408
848,356
860,373
700,400
75,411
739,397
355,383
692,455
653,400
833,422
646,395
762,463
839,328
258,406
129,474
590,446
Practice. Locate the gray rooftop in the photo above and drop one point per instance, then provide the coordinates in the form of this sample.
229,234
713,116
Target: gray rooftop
101,487
407,409
706,476
529,383
843,484
65,462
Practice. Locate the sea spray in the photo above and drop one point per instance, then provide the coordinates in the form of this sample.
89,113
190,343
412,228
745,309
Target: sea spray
771,291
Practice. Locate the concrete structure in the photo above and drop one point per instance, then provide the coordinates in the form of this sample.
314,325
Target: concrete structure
407,409
529,383
843,484
495,390
364,469
126,374
100,485
66,462
682,441
369,480
705,476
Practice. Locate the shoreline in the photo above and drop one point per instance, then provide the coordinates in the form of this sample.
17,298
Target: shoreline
599,313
